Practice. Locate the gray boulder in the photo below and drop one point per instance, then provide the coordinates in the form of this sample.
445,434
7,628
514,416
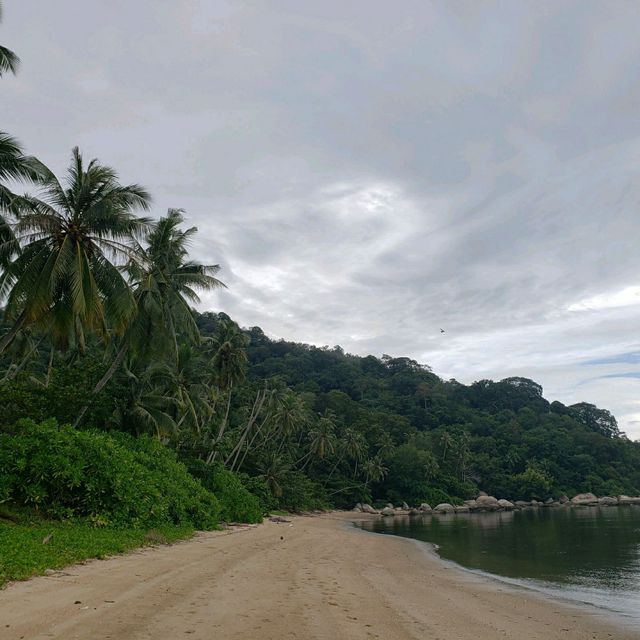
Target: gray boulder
389,505
425,507
472,504
584,499
607,501
462,509
521,504
387,511
405,506
444,507
563,499
505,504
487,503
367,508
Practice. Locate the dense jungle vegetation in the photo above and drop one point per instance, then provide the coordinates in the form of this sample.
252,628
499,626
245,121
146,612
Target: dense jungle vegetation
123,405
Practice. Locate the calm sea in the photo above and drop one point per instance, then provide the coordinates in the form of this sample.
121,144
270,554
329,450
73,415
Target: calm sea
586,554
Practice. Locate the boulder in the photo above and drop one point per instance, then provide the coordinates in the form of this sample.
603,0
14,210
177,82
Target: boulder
505,504
521,504
462,509
425,507
405,506
444,507
388,505
472,504
415,512
553,503
628,500
608,501
584,499
487,503
388,511
563,499
367,508
481,494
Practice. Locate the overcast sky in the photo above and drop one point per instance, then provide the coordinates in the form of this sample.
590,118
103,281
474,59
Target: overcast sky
368,172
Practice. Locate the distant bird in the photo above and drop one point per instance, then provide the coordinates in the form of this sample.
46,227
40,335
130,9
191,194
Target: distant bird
441,330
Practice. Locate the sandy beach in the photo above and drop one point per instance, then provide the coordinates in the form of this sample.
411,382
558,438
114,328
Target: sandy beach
316,577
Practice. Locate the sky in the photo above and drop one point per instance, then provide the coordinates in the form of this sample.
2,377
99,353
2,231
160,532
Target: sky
367,172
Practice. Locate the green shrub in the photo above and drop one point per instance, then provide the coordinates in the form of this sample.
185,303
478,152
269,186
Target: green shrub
300,493
112,478
260,489
237,504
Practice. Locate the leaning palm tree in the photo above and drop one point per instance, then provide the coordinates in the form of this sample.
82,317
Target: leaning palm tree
164,281
9,61
70,238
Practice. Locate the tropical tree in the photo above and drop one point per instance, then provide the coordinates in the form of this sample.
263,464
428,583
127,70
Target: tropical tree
9,61
70,237
164,281
374,470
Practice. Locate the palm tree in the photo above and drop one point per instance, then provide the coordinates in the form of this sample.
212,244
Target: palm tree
9,61
446,441
272,471
322,438
230,365
164,282
70,237
374,470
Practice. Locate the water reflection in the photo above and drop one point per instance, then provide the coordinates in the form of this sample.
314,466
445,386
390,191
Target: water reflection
586,550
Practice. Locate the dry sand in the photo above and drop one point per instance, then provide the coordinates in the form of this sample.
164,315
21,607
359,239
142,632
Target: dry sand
314,578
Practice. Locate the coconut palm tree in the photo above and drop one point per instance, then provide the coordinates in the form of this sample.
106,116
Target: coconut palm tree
9,61
164,281
70,238
374,470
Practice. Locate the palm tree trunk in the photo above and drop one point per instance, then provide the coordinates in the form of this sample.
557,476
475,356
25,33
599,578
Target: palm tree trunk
115,365
213,455
8,337
10,375
260,398
47,379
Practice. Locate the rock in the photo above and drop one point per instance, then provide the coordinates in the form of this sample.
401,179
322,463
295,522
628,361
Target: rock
472,504
49,572
462,509
521,504
487,503
444,507
628,500
405,506
388,505
563,499
367,508
388,511
358,507
584,499
548,501
481,494
415,512
425,507
505,504
607,501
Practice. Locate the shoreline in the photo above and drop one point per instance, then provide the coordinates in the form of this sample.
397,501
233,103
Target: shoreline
546,592
315,577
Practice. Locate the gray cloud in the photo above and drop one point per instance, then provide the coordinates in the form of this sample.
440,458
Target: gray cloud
366,173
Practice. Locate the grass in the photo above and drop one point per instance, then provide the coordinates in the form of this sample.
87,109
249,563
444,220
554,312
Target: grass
23,553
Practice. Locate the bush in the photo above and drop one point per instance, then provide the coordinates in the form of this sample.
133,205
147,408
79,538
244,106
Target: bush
260,489
113,479
300,493
237,504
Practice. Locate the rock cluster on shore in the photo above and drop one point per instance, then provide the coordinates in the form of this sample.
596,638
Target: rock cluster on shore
489,503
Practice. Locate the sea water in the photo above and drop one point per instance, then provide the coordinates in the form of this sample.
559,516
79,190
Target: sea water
583,554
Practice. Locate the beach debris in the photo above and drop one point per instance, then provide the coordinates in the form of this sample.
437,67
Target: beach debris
278,519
